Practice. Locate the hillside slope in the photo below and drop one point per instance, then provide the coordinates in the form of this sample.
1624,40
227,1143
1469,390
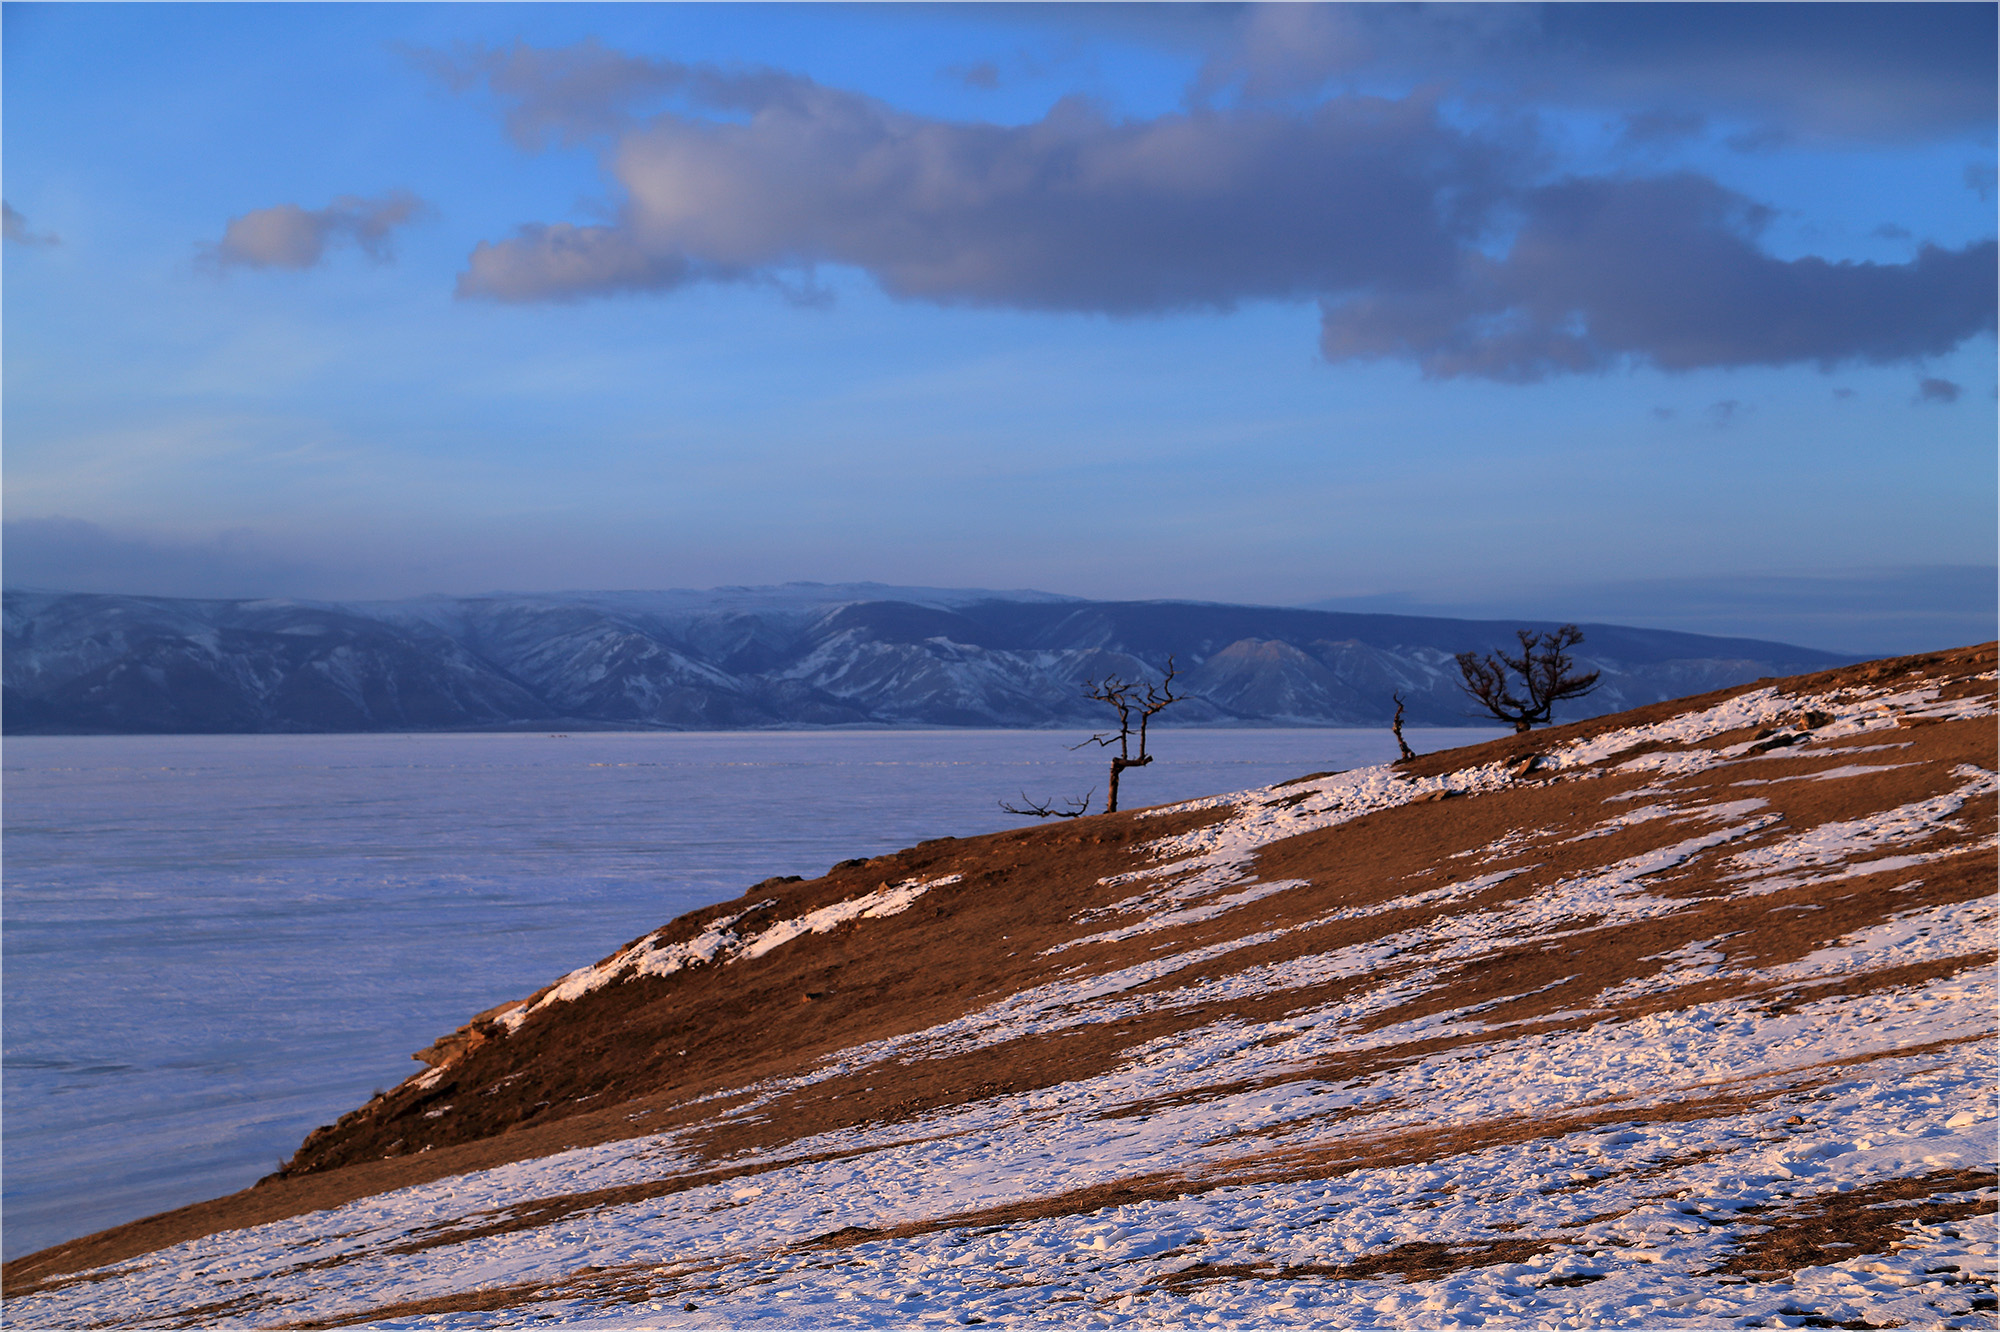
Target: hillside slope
799,655
1684,1016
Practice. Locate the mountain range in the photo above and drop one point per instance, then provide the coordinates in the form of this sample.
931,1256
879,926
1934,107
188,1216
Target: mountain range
800,655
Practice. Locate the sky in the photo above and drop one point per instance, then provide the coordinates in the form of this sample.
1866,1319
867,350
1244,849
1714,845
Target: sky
1490,306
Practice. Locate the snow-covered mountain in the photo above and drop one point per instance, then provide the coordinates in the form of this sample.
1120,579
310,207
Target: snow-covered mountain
799,655
1678,1018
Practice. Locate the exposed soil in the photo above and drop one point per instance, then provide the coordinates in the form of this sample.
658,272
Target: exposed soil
651,1054
1419,1261
1874,1218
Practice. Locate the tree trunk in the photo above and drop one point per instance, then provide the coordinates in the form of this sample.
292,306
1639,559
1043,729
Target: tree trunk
1119,765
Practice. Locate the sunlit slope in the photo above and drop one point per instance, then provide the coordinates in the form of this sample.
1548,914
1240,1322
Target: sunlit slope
1684,1015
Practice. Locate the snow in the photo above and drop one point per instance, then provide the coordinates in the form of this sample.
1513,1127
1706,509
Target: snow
719,943
1832,843
1626,1160
1648,1210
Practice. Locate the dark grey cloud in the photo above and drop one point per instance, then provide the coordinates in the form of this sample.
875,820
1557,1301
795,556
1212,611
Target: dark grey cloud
18,231
1855,71
1980,177
288,236
1076,211
1662,271
1423,240
1938,390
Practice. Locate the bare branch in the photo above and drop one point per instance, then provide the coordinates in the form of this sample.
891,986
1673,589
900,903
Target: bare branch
1544,668
1046,809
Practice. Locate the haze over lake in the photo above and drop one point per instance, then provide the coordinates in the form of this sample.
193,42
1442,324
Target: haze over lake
215,943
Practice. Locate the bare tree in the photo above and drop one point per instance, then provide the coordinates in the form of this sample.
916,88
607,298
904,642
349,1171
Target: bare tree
1136,702
1131,704
1046,809
1397,727
1544,668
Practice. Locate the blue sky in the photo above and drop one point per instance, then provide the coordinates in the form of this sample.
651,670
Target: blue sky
1444,304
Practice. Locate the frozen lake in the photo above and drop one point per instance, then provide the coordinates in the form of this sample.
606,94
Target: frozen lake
214,943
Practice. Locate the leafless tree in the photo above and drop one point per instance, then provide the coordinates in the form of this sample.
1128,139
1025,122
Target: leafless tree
1397,727
1046,809
1544,669
1135,701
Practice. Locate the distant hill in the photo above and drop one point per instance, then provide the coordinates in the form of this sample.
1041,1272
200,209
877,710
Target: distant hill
801,655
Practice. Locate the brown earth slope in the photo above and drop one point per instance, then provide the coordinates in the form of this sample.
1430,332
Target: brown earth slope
1690,917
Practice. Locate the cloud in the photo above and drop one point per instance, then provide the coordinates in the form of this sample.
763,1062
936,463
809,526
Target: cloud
1858,72
1890,231
1073,212
565,94
984,75
1763,140
1662,271
288,236
567,263
1423,240
1649,128
1979,178
1723,414
18,232
1938,390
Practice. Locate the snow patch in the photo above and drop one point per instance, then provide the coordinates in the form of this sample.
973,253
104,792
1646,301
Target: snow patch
718,942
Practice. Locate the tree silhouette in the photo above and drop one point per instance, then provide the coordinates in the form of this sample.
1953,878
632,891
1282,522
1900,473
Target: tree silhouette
1397,727
1543,668
1136,702
1126,697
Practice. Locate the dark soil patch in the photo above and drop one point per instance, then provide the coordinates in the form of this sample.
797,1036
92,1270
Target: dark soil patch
1423,1260
1835,1227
